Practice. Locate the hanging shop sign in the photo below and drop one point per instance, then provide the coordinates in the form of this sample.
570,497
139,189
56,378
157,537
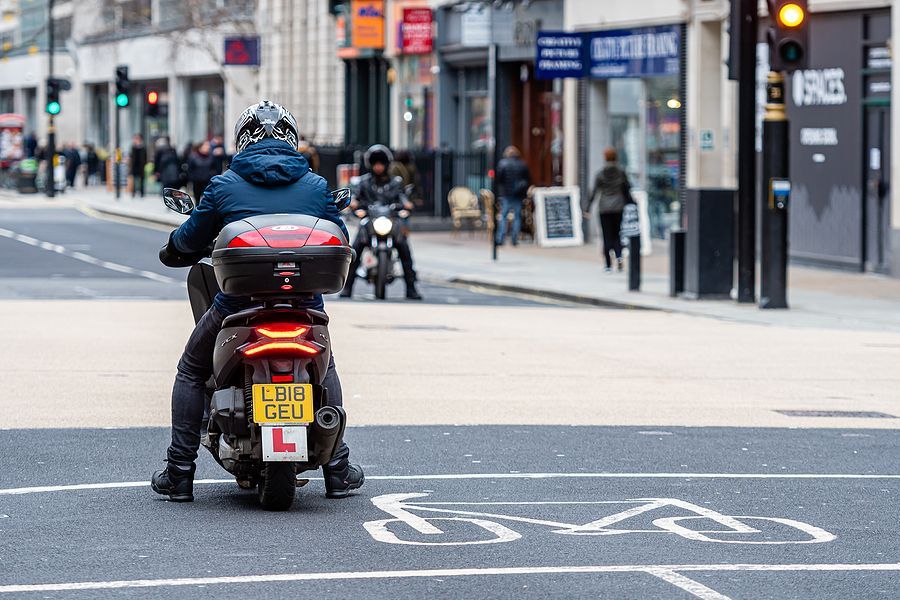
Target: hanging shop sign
242,51
642,52
559,54
367,24
417,31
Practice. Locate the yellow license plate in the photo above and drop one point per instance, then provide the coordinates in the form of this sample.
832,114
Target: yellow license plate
282,403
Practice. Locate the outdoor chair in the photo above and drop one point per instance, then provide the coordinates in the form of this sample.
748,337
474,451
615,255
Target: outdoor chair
464,209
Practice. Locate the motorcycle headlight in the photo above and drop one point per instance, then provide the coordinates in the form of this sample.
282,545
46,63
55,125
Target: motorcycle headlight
382,225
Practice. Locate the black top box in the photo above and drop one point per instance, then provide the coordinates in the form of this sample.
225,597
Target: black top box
281,255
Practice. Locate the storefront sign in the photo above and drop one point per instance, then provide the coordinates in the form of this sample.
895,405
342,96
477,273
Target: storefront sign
417,31
557,216
819,87
242,51
367,24
647,52
559,54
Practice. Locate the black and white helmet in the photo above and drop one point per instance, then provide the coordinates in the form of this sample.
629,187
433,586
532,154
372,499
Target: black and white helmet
265,120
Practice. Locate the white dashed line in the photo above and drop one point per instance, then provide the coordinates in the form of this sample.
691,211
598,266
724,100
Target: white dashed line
86,258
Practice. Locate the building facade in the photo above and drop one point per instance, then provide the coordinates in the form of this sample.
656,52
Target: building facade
278,49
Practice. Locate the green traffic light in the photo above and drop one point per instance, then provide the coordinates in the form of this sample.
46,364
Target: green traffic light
122,100
53,108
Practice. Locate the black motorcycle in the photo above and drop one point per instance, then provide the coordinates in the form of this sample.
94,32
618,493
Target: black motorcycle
380,263
268,413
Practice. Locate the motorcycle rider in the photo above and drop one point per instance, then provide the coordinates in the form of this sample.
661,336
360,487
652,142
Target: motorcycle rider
267,175
378,187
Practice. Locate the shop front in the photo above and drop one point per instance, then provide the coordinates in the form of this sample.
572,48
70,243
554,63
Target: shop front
839,111
361,42
632,100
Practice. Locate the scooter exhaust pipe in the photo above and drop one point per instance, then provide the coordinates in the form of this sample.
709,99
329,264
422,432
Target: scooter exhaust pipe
327,431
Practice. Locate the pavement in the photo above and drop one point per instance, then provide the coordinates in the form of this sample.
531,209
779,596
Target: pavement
515,445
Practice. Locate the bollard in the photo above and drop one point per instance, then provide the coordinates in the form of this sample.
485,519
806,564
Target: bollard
676,261
634,263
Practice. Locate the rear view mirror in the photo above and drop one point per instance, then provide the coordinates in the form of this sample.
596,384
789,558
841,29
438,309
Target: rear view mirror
180,202
341,198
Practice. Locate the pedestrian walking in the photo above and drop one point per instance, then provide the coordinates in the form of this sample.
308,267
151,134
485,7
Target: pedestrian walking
404,167
92,165
611,192
200,169
309,152
513,180
166,164
31,145
73,161
138,164
219,156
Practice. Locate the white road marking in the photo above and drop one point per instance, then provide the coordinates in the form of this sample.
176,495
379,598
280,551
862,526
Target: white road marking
86,258
691,586
399,507
655,570
451,476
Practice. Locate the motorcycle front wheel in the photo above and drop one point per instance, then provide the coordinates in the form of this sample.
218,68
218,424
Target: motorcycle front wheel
381,275
277,484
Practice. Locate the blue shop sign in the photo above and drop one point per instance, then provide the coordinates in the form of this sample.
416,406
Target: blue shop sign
559,54
644,52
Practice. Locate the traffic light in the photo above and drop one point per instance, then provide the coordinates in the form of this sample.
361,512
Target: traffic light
151,103
121,86
52,107
788,34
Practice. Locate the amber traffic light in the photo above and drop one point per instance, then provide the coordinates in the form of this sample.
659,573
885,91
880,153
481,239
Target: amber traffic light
788,35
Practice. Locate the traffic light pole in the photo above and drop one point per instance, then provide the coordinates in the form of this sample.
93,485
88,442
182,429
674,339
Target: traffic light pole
775,171
746,245
51,128
117,157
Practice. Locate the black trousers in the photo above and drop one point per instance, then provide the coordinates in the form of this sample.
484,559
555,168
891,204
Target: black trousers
401,243
138,185
611,224
189,392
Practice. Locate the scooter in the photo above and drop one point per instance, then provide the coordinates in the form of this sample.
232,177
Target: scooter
268,414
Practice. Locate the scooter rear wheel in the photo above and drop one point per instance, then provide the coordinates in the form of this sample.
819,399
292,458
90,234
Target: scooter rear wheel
277,486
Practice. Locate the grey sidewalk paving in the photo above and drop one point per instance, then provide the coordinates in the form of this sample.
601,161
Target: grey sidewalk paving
818,297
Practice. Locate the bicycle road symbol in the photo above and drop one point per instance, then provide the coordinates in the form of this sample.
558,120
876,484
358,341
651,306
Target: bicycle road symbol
734,529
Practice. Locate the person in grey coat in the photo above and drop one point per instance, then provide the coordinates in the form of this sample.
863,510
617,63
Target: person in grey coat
611,192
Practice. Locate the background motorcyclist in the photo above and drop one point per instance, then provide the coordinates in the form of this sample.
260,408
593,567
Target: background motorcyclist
379,187
267,175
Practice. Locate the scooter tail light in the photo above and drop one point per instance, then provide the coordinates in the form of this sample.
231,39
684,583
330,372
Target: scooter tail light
248,239
281,348
281,331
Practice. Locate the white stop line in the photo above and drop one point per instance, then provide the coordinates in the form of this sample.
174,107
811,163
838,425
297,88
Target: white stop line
673,574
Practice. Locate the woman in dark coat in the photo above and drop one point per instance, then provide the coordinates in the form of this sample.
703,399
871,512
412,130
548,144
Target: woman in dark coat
200,170
167,165
611,192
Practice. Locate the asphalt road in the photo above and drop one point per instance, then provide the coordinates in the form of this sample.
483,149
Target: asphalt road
530,485
497,511
63,254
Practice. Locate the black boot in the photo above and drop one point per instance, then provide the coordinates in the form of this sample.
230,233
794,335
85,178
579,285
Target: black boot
340,481
175,481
